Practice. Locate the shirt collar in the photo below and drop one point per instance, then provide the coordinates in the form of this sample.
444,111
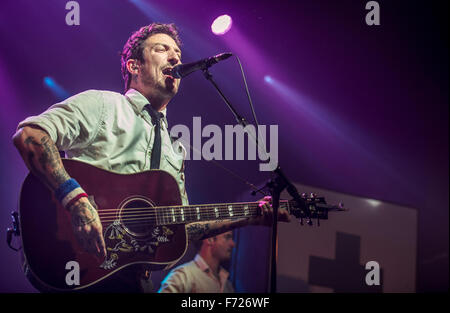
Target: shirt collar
139,101
201,263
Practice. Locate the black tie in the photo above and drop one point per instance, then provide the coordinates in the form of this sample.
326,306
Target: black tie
156,152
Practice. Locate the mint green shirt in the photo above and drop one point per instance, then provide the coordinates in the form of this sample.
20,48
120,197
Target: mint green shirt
111,131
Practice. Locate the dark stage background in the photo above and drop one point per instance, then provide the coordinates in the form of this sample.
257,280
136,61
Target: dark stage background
361,109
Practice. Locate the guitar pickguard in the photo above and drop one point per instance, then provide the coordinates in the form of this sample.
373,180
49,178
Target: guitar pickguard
120,243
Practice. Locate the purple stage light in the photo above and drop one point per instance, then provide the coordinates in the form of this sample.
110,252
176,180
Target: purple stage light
222,24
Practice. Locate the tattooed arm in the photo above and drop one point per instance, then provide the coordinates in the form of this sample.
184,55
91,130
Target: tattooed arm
202,230
41,156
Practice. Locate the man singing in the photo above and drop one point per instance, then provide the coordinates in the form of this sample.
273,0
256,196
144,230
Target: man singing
124,133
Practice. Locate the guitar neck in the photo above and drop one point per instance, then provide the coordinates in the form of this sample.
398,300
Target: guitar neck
209,212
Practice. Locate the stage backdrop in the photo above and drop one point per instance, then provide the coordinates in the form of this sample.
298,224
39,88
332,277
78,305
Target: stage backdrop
333,256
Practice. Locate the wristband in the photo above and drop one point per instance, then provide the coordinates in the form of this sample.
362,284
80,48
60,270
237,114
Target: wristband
68,192
65,188
72,197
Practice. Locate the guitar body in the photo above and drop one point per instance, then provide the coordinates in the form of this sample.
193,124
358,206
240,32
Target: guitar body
49,244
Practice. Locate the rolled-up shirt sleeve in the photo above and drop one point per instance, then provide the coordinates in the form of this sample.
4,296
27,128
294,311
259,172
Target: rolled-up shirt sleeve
73,123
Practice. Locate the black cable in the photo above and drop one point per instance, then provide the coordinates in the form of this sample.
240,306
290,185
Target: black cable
248,93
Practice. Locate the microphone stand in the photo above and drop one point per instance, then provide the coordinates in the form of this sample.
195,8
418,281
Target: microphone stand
276,186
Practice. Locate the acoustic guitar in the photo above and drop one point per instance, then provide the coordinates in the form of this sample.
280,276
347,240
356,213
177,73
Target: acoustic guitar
142,217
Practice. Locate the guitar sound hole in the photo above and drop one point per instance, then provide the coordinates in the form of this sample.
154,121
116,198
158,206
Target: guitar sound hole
138,217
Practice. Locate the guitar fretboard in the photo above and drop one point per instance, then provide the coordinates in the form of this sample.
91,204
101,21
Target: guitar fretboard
208,212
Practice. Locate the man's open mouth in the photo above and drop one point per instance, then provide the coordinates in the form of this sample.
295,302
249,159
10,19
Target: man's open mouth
168,72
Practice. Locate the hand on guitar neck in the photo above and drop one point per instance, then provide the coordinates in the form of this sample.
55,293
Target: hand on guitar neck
266,217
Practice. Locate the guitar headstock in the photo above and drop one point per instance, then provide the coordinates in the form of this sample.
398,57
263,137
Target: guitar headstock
311,207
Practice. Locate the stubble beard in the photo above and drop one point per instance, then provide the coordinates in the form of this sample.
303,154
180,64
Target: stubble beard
161,90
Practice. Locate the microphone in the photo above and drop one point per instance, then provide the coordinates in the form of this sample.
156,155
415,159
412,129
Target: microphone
182,70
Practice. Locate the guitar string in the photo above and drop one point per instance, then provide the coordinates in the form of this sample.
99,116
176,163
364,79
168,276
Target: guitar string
156,212
169,209
171,214
191,207
180,219
169,220
176,210
192,211
178,215
185,217
162,212
186,209
205,205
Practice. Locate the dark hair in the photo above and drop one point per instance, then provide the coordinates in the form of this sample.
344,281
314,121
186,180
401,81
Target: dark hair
197,244
134,46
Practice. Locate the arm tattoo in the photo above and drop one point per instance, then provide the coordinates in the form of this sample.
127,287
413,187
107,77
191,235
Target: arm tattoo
200,231
49,159
35,171
79,216
196,231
